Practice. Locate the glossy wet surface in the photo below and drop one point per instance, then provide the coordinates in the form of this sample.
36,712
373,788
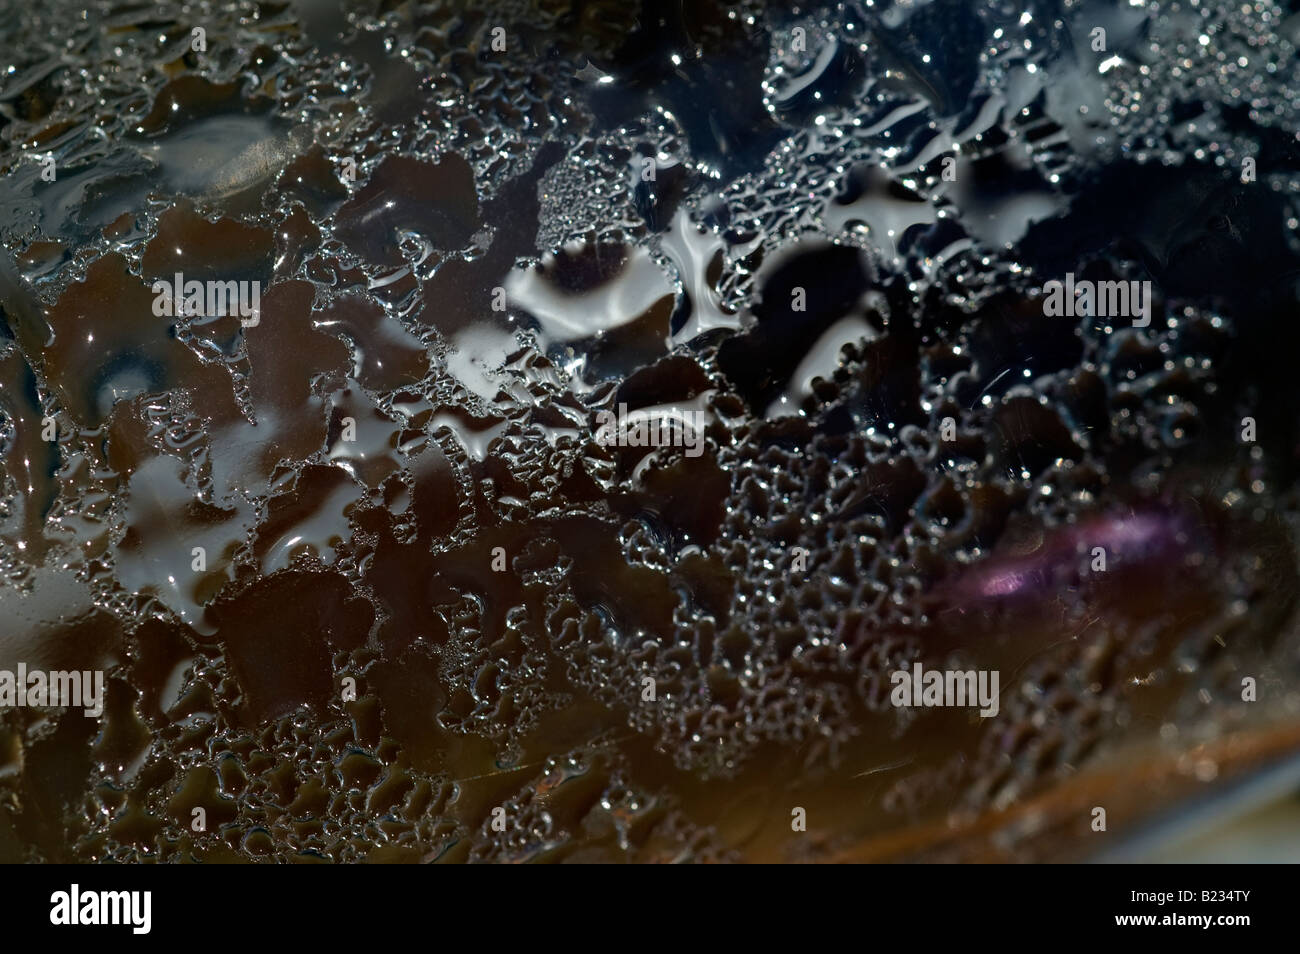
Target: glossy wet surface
428,591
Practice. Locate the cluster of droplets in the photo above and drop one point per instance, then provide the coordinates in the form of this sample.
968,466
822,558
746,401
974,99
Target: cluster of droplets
471,580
